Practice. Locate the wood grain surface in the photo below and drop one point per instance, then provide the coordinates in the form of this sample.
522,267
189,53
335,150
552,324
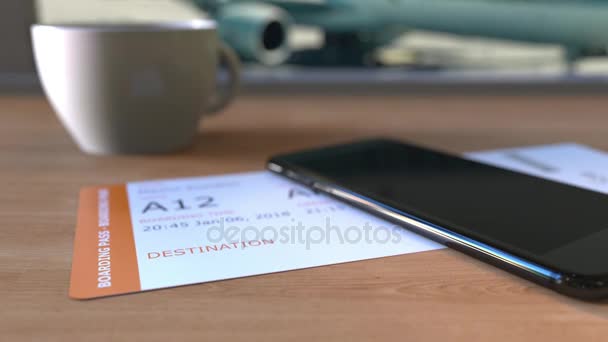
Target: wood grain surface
432,296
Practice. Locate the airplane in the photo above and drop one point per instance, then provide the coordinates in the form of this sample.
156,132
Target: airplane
258,29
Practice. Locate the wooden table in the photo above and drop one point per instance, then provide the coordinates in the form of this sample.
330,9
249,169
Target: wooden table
439,295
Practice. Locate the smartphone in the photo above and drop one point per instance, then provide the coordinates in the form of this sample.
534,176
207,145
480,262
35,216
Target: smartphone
548,232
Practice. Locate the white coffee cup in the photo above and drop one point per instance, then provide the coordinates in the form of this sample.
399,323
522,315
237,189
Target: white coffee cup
133,88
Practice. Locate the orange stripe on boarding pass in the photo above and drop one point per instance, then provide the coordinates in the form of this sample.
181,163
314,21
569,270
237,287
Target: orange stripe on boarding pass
104,262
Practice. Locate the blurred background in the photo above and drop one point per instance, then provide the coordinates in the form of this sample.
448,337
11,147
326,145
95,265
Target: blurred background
356,41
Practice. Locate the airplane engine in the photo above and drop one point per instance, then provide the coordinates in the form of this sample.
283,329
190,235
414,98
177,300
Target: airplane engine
257,31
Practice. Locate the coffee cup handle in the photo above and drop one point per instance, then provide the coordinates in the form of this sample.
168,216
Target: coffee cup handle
223,98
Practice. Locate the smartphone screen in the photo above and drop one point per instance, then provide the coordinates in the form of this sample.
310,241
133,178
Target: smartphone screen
558,226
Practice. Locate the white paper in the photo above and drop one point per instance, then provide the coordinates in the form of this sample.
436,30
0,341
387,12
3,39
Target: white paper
252,223
569,163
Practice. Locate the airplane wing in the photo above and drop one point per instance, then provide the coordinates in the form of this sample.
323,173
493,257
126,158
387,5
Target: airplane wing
305,5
